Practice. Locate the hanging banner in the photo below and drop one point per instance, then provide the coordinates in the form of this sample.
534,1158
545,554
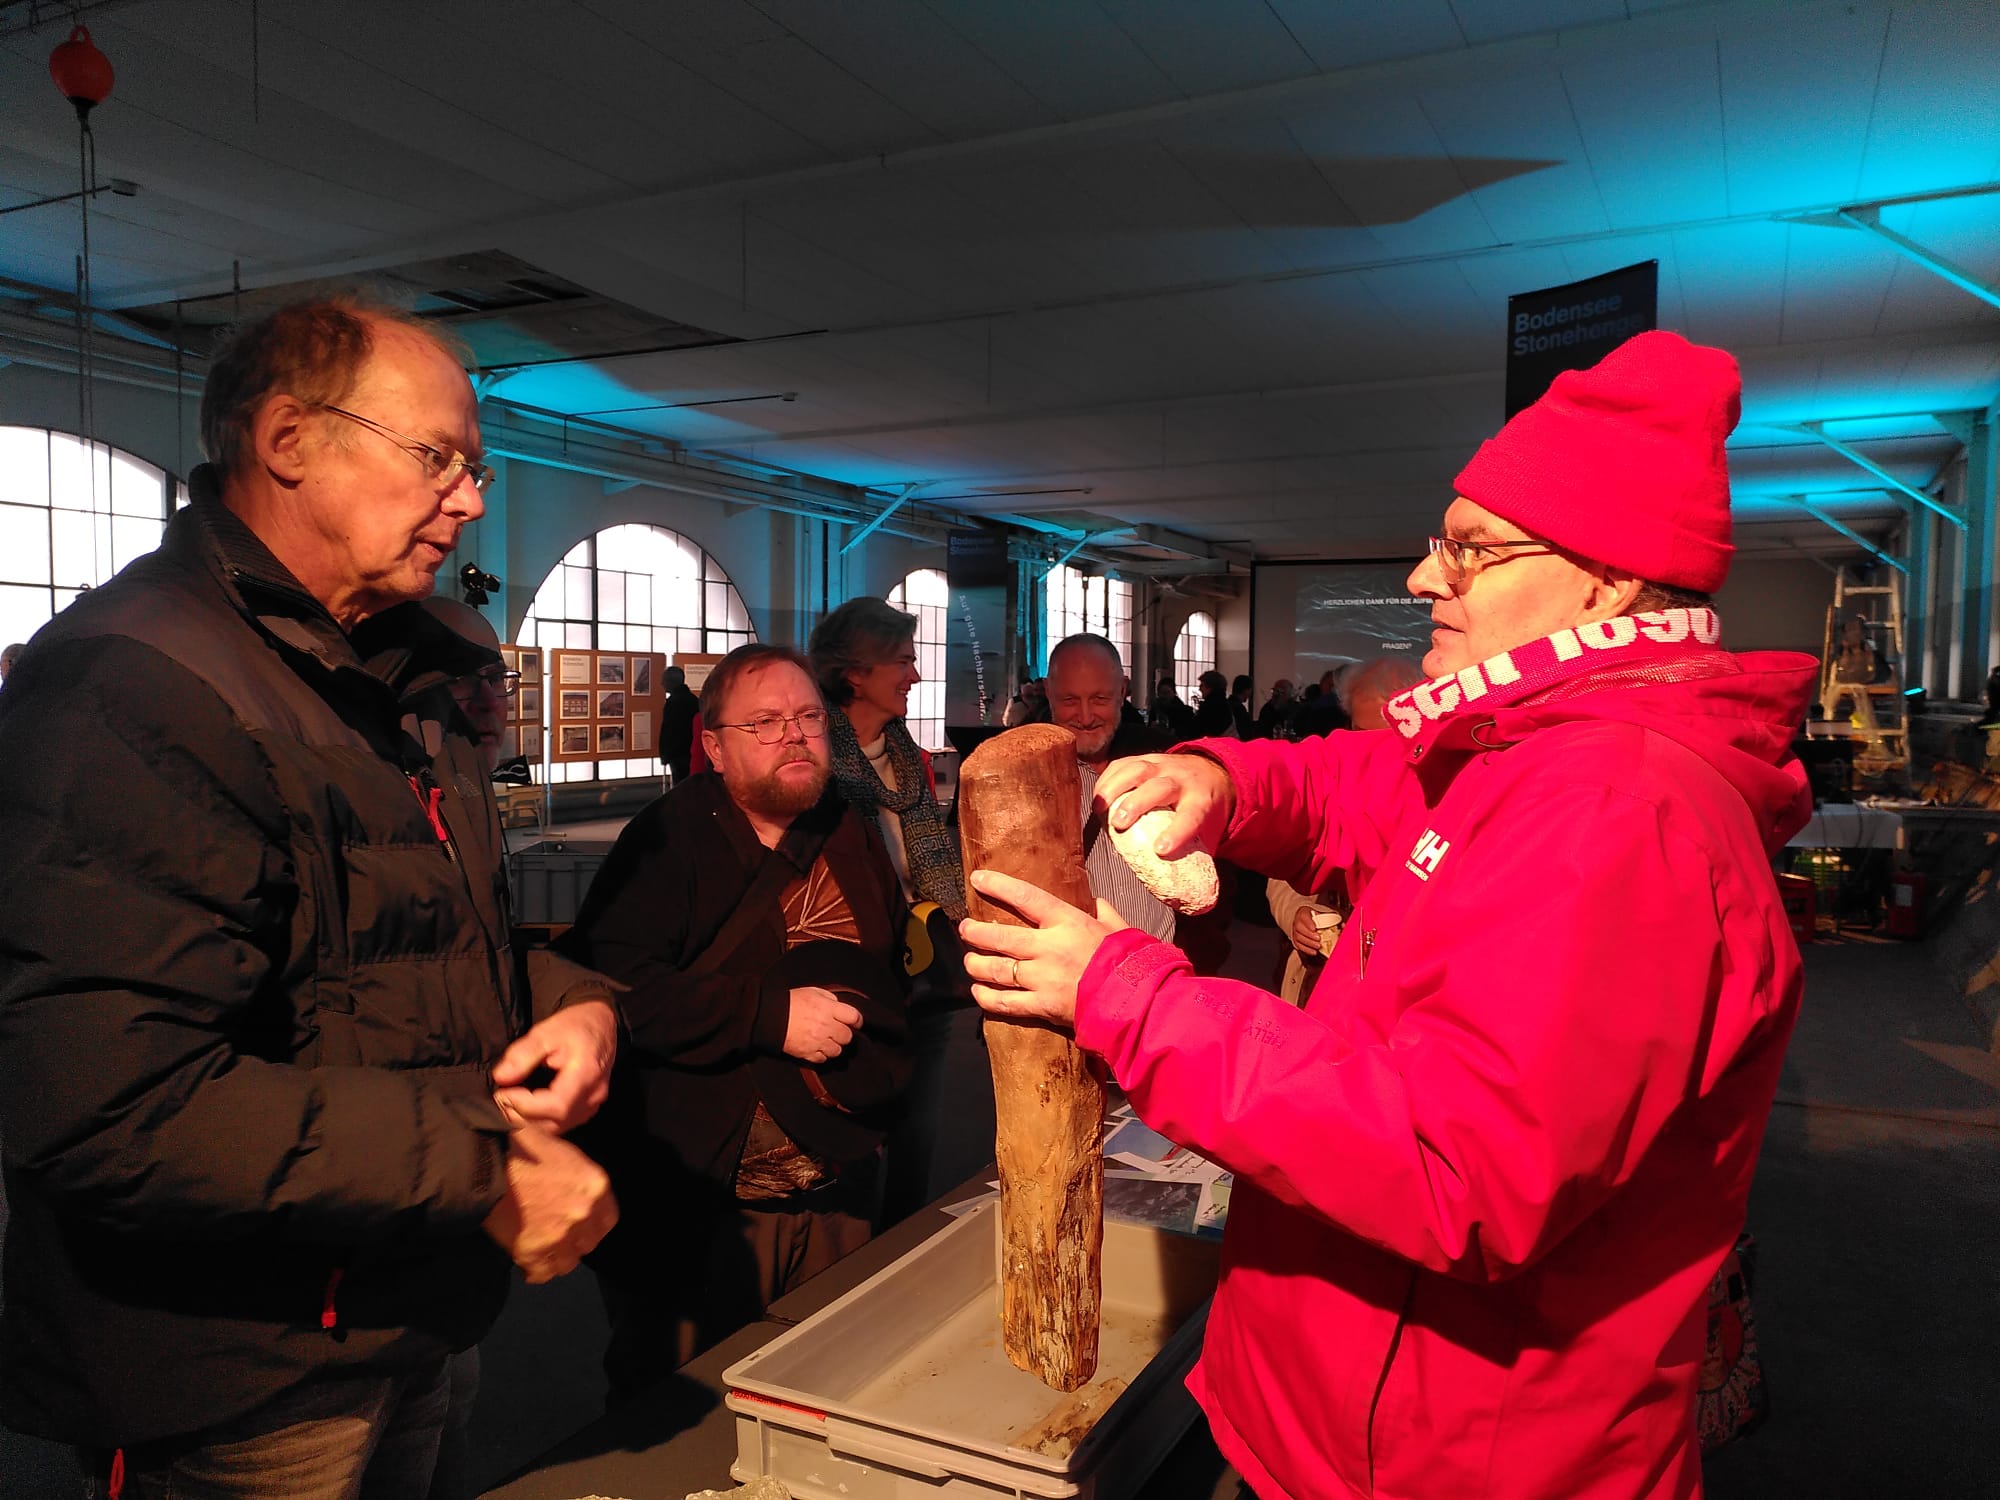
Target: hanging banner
1572,327
975,677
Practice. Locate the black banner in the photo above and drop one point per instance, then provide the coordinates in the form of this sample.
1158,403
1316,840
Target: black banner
1573,327
976,559
975,636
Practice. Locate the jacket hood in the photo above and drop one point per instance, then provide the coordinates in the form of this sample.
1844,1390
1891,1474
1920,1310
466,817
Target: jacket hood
1664,671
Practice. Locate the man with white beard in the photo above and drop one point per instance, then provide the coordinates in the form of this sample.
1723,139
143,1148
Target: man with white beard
1086,690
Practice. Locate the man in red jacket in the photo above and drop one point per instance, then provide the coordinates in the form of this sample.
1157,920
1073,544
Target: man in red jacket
1483,1178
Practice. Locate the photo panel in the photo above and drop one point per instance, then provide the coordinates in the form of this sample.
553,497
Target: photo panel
610,739
575,704
642,677
575,739
528,704
611,670
531,741
531,661
611,703
572,668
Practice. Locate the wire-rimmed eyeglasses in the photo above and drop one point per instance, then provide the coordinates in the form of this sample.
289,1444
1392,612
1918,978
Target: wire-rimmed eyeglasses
503,680
770,728
444,468
1451,553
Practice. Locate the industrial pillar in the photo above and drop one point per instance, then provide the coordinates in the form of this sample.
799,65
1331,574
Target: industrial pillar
1917,632
1982,628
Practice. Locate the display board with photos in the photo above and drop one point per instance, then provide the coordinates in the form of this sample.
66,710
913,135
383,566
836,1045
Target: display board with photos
523,734
606,704
695,666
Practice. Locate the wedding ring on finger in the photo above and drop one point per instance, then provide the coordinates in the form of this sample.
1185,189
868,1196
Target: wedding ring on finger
1014,973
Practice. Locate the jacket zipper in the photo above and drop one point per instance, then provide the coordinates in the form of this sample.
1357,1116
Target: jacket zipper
1388,1364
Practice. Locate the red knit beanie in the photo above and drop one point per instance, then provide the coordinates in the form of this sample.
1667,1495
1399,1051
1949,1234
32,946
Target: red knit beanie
1622,463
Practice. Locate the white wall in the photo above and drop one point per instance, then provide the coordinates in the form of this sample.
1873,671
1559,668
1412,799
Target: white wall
139,420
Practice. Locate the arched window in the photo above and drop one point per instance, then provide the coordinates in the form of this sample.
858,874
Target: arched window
1194,654
1101,605
642,588
72,514
926,595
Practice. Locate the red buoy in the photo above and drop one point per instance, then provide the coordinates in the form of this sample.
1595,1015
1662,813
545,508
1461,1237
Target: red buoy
81,71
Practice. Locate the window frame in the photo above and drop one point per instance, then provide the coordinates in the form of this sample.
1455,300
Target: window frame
582,577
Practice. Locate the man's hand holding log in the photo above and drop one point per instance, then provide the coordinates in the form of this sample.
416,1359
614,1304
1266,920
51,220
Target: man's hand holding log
1031,972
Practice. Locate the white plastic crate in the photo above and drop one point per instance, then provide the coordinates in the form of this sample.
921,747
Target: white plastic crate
900,1390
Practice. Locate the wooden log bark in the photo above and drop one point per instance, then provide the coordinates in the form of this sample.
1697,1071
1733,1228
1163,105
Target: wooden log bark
1020,812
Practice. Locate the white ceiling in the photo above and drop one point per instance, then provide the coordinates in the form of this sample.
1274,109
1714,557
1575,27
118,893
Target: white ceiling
1238,268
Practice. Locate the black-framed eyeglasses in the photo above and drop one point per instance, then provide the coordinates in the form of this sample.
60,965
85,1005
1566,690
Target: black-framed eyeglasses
503,680
1460,559
444,468
770,728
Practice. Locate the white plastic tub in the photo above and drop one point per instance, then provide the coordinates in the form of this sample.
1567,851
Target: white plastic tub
901,1388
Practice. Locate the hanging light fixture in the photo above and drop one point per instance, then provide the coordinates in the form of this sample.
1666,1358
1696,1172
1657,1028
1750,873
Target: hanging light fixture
84,76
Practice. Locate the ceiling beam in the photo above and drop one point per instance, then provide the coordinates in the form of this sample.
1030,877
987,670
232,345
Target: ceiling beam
1867,217
1924,340
881,517
1818,432
1851,534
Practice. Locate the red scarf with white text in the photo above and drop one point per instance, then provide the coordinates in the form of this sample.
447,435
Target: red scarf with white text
1660,645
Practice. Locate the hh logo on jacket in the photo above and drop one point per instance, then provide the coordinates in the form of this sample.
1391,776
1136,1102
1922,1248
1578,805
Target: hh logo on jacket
1427,856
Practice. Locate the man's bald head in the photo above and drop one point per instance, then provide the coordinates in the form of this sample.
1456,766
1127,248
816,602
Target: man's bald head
479,696
463,619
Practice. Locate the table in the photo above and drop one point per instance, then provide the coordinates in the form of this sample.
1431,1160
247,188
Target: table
679,1437
1843,825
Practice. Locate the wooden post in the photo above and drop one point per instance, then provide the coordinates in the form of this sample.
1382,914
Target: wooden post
1020,812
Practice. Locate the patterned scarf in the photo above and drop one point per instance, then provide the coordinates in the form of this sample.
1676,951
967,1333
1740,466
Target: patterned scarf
928,841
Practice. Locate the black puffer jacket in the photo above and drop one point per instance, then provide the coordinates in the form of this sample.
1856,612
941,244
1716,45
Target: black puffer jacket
248,999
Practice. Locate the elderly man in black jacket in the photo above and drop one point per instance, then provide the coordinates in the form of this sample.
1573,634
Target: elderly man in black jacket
264,1042
758,923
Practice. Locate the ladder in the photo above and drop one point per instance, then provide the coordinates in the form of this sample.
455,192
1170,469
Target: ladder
1861,671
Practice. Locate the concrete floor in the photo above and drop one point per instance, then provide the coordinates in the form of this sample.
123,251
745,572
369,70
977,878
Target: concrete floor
1878,1298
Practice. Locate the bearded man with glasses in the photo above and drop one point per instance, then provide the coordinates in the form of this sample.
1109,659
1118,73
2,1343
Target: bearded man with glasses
269,1141
758,923
1485,1176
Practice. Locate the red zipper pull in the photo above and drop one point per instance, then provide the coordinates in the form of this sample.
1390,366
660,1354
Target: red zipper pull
432,798
114,1481
329,1318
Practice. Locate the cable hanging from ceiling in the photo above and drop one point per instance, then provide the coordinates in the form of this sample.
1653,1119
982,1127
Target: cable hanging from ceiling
84,77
